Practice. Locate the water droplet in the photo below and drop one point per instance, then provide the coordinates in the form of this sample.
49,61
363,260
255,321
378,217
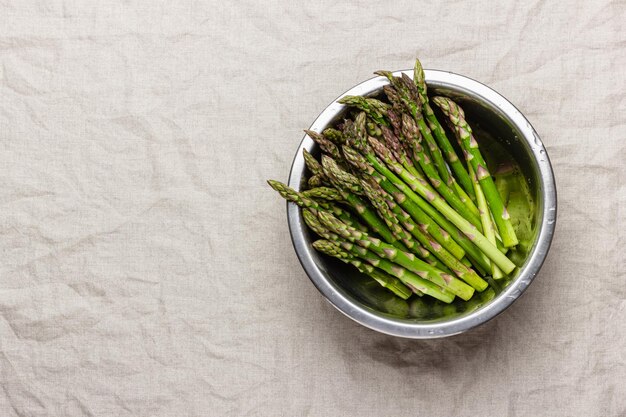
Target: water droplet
550,221
537,140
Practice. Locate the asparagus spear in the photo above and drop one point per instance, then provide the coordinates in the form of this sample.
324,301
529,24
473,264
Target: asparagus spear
311,163
334,135
402,258
409,97
385,280
392,222
324,193
459,221
342,179
412,280
416,283
366,213
485,217
373,129
473,155
378,197
455,163
315,181
419,182
398,151
325,144
410,100
411,132
374,108
419,209
303,201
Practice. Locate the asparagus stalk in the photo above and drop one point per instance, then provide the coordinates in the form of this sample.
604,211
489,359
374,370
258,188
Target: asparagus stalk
395,119
303,201
324,193
343,179
412,134
334,135
373,129
402,258
374,108
416,283
385,280
455,163
412,280
414,204
423,220
366,213
345,215
398,151
317,178
383,154
315,181
485,217
311,163
392,222
325,144
376,194
473,155
409,97
459,221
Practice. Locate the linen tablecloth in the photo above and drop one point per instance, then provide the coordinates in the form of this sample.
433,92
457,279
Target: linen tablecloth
147,269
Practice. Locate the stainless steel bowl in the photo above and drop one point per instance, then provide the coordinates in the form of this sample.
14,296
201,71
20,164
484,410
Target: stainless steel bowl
367,304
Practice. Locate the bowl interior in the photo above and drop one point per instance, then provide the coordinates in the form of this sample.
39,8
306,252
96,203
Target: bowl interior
512,160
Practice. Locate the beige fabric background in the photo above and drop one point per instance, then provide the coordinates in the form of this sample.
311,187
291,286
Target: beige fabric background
146,268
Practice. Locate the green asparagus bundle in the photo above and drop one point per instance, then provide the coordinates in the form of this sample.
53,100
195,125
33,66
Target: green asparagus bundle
393,197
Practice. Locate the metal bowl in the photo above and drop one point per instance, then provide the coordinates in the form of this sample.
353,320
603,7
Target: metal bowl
362,299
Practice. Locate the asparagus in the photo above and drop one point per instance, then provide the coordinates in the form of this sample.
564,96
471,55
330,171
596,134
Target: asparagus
412,101
412,280
385,280
334,135
395,119
317,178
368,215
411,132
372,128
455,163
345,215
315,181
374,108
379,203
402,258
423,220
376,193
421,211
419,182
324,193
343,179
485,218
398,151
325,144
303,201
409,97
416,283
473,155
459,221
